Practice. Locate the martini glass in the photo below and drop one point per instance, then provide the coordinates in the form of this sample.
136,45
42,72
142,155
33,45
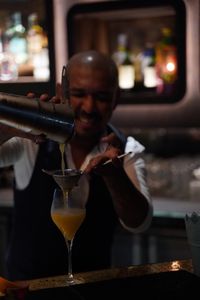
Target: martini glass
67,211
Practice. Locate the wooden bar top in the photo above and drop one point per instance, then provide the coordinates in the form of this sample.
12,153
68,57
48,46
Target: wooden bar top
167,280
113,273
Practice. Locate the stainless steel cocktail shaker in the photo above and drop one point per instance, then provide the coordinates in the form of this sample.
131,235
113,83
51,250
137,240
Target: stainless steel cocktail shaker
56,121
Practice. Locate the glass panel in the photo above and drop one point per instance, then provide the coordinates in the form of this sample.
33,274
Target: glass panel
24,42
147,41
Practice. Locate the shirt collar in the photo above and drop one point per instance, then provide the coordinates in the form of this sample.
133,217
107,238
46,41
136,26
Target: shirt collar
98,149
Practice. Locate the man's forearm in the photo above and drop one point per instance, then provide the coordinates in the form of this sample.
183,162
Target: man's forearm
7,132
130,204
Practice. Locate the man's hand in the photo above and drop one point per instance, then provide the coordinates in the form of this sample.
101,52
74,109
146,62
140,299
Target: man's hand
38,139
113,150
112,140
45,97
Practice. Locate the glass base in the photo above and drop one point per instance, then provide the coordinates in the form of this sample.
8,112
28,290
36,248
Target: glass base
70,279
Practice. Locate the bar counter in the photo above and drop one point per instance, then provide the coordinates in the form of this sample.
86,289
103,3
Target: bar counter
109,274
168,280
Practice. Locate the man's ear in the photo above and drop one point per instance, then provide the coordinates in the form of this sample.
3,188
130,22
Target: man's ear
117,95
64,85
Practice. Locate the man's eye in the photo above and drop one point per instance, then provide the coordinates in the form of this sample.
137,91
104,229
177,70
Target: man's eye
78,94
104,97
98,96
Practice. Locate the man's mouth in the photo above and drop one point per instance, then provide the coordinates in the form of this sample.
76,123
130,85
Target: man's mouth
86,120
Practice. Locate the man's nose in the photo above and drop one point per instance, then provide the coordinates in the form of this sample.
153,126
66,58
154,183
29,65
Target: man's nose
89,103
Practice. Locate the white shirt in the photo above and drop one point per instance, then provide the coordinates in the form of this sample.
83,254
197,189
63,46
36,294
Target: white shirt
22,153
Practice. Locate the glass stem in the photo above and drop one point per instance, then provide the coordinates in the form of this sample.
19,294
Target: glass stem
69,247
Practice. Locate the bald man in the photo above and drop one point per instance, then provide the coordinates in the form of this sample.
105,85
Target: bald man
114,193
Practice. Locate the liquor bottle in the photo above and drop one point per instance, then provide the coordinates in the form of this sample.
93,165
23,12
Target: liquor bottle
166,58
34,35
8,66
55,121
148,66
124,63
16,39
37,41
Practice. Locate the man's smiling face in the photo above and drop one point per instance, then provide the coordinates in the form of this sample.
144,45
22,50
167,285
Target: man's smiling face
91,98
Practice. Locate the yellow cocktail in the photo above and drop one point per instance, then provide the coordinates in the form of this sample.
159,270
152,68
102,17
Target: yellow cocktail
67,210
68,220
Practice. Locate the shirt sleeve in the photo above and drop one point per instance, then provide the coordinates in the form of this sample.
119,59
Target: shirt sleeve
21,154
10,152
135,161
